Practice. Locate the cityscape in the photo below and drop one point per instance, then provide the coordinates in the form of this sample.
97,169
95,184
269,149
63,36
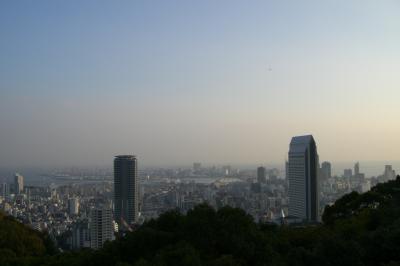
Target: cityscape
199,133
124,198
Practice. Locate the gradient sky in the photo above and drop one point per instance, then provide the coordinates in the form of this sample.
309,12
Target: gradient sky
213,81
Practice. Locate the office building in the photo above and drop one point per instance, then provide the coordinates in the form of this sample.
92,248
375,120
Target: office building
303,178
18,183
5,190
286,170
389,173
101,227
261,175
125,190
348,173
358,177
73,206
356,168
326,170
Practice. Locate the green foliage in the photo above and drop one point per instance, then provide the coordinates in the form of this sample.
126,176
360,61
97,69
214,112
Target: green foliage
19,240
359,229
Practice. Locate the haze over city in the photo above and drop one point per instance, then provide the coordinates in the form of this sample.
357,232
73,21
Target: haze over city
183,81
199,133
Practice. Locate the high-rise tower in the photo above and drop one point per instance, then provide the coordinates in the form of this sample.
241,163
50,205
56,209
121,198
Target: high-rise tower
4,190
261,175
125,190
18,183
303,178
356,168
326,170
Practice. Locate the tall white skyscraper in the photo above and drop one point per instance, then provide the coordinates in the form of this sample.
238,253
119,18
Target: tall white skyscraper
18,183
101,227
126,193
303,178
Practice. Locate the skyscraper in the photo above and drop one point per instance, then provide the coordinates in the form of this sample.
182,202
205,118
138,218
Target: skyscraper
358,177
261,175
4,190
18,183
389,173
101,227
303,178
347,173
326,170
125,189
356,168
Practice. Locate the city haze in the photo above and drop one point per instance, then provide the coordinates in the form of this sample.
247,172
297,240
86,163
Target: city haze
216,82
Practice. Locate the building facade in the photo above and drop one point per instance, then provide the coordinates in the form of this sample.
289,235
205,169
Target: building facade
348,173
18,183
261,175
303,178
357,168
81,235
126,190
73,206
389,173
4,190
326,170
101,227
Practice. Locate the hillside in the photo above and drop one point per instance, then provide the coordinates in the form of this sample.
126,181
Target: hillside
21,245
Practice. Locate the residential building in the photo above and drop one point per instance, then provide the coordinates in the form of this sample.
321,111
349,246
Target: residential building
101,227
126,190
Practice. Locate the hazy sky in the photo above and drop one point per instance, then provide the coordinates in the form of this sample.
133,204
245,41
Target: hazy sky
213,81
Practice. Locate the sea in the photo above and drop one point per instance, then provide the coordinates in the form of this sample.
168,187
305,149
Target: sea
38,177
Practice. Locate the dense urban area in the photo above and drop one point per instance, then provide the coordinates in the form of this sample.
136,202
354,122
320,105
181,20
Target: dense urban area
67,205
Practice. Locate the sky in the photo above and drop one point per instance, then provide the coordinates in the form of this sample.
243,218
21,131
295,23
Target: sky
218,82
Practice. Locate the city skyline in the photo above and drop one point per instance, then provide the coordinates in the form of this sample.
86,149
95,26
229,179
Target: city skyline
85,209
224,89
181,132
